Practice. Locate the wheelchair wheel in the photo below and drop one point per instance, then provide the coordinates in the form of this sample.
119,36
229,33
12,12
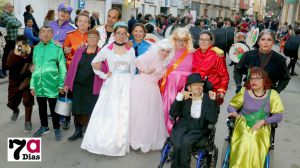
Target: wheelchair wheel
269,160
165,153
214,159
225,155
210,160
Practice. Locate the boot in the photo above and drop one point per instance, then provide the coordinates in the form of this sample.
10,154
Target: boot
77,134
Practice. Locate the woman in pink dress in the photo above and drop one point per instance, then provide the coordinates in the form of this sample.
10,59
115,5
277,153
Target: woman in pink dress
147,129
178,70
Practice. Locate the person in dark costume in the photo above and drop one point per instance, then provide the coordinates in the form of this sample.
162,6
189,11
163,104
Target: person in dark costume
85,85
19,64
196,109
291,50
264,57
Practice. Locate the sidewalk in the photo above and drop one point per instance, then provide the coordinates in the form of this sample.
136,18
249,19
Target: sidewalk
3,80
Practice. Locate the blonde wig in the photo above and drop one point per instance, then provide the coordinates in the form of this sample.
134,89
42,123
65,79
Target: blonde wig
182,33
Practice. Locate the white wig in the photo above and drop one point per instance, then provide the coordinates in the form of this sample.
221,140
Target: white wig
163,44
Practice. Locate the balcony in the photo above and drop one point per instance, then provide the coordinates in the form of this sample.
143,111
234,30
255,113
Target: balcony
244,4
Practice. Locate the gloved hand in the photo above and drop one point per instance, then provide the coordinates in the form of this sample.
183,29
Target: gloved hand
220,98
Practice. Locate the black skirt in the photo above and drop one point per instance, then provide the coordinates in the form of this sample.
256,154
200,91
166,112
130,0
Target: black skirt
83,98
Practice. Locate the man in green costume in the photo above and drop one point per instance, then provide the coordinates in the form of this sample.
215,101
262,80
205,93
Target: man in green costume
48,79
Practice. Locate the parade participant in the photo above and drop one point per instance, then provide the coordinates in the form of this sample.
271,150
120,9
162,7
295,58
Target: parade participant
48,79
244,26
107,131
62,25
9,21
106,31
259,106
239,38
177,70
83,83
221,33
76,38
291,49
147,125
139,44
272,62
195,109
210,62
19,63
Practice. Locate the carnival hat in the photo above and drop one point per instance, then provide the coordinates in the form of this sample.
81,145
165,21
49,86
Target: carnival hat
117,24
196,78
193,78
65,7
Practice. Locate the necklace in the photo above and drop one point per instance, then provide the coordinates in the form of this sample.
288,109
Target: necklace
119,44
257,95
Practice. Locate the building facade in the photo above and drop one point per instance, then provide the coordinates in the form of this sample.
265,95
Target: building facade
290,11
194,8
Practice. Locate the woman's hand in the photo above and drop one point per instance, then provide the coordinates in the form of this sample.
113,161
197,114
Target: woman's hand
97,65
220,98
82,45
258,125
66,89
67,50
149,71
109,74
129,44
234,114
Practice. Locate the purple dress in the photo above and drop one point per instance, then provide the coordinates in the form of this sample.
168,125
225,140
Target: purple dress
147,129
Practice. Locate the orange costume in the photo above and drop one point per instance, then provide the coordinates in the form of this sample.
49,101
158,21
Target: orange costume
74,39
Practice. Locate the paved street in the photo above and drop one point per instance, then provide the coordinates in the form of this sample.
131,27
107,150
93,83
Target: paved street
66,154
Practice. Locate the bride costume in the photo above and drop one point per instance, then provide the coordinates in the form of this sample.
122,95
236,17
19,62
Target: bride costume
107,131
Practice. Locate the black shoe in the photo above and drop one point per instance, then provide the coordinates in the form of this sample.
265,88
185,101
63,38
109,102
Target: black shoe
15,115
232,63
66,125
1,75
77,134
293,74
4,73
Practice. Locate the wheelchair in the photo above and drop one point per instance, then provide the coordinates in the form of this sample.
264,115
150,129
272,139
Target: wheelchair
205,151
230,124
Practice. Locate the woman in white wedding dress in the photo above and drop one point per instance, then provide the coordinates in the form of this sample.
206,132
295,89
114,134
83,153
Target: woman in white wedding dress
107,131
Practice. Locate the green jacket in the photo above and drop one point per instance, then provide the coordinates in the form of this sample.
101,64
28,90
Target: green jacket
49,70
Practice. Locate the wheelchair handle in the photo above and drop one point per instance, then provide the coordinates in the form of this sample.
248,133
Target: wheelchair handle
230,122
274,125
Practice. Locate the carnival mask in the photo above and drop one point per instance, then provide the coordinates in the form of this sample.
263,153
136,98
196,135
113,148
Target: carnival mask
22,48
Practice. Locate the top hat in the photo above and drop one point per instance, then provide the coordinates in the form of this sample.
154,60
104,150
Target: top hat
194,78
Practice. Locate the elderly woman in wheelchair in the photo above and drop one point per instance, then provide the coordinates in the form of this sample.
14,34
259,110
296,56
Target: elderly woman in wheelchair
251,137
196,113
